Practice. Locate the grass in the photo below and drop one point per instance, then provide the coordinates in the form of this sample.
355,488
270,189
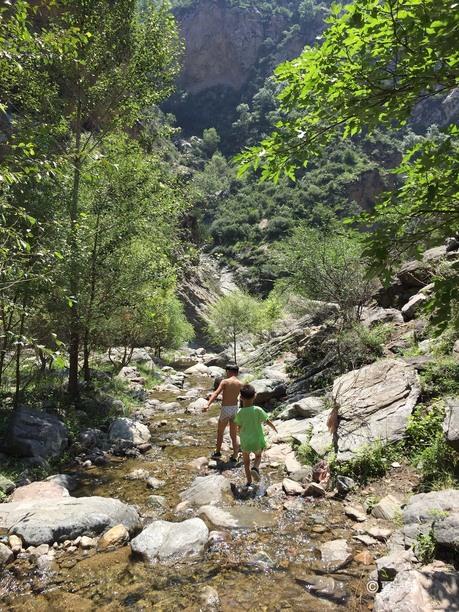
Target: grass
371,461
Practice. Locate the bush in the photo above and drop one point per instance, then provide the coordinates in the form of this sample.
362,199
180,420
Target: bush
370,462
441,377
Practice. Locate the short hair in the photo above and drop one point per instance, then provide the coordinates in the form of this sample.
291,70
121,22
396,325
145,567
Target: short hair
232,367
248,392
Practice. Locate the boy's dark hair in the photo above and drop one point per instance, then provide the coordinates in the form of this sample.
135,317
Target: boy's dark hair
232,367
248,392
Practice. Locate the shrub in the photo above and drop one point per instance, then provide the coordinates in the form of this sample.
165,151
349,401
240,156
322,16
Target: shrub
441,377
371,461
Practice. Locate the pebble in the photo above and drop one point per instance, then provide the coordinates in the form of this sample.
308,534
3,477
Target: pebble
155,483
364,558
116,536
86,542
357,514
15,543
72,549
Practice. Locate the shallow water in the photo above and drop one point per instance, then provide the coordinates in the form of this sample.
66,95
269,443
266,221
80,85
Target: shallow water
282,578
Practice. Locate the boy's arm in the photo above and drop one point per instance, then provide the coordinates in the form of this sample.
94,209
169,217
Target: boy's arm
271,424
214,396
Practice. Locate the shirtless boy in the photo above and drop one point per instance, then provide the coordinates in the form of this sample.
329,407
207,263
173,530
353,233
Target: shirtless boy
229,389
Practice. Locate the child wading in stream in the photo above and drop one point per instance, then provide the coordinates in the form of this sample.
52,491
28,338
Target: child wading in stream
250,421
229,388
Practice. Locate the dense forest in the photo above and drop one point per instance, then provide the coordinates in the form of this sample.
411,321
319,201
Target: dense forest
197,188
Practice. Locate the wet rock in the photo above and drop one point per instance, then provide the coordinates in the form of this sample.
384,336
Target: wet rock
313,489
295,504
374,404
307,407
390,565
291,487
6,554
237,517
218,537
129,430
139,474
155,483
158,502
322,586
197,406
199,463
199,369
31,433
451,422
355,513
206,490
209,599
6,485
274,490
66,518
68,481
116,536
336,554
38,491
165,542
387,508
435,587
344,485
262,560
15,543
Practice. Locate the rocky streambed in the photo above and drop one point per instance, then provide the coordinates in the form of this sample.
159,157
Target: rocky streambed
155,524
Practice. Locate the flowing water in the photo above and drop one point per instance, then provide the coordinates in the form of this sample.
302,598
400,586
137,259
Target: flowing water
274,567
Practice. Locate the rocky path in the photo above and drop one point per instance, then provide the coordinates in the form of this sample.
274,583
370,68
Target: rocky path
152,523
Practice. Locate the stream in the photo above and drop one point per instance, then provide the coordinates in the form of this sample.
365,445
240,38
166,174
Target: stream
274,566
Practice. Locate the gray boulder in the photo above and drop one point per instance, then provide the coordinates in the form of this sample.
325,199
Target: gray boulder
57,520
446,531
6,554
204,490
435,587
267,390
221,360
410,309
374,404
168,542
336,554
451,422
377,316
430,509
31,433
307,407
127,429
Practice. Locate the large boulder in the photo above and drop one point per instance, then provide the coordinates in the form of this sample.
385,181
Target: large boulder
267,390
434,509
374,404
36,491
31,433
168,542
413,305
432,588
451,422
199,369
129,430
307,407
221,360
204,490
47,521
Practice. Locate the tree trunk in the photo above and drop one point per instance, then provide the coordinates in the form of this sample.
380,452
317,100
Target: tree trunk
18,360
92,296
235,348
86,353
74,327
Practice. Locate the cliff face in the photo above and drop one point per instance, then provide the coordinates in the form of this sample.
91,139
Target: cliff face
224,43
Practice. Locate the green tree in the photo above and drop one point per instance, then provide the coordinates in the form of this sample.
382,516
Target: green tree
121,65
238,314
377,61
328,267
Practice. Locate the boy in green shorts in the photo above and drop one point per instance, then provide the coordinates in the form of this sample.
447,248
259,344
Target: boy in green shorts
249,420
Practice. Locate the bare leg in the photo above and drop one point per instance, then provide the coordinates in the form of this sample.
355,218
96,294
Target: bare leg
220,431
246,459
233,434
257,461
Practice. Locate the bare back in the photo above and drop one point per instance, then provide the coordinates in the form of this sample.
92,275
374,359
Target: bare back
230,391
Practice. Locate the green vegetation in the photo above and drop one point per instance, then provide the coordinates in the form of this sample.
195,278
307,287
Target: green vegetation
377,61
370,462
238,316
425,547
